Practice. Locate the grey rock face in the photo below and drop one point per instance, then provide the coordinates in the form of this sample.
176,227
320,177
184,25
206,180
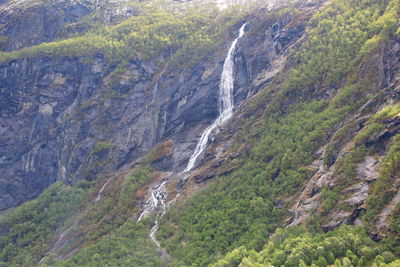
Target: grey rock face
24,26
67,119
58,122
24,23
35,135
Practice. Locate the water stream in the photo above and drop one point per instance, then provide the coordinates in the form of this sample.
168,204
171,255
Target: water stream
98,197
155,88
225,102
156,202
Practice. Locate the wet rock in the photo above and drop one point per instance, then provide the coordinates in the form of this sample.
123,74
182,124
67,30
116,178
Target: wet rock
51,120
42,21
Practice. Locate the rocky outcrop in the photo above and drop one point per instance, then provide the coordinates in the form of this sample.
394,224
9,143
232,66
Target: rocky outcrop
68,118
24,23
353,197
384,216
59,122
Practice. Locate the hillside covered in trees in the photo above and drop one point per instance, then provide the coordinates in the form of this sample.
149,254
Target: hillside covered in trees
190,133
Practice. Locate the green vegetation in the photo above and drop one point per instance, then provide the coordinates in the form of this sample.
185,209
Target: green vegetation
27,229
376,123
328,200
346,169
238,214
392,242
131,184
185,35
128,246
239,209
382,190
243,208
78,46
292,247
101,147
116,238
116,206
30,228
342,34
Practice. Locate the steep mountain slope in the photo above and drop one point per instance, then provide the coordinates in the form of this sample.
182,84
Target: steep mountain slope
115,112
72,115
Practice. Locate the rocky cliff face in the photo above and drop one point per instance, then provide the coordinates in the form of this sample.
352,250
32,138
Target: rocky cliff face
59,123
27,23
74,118
67,119
354,203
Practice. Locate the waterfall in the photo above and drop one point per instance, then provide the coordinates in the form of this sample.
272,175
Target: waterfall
225,102
98,197
225,105
157,197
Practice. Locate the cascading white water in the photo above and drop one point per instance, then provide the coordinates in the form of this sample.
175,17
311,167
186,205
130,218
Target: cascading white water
98,197
225,102
157,197
226,105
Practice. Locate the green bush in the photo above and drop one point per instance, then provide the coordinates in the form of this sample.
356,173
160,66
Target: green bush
32,225
130,185
186,36
128,246
381,191
241,208
296,246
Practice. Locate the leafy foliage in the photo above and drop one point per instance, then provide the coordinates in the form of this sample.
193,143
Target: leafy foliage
382,191
31,225
239,209
131,184
239,212
185,35
30,229
101,147
346,246
129,246
213,222
343,32
116,205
